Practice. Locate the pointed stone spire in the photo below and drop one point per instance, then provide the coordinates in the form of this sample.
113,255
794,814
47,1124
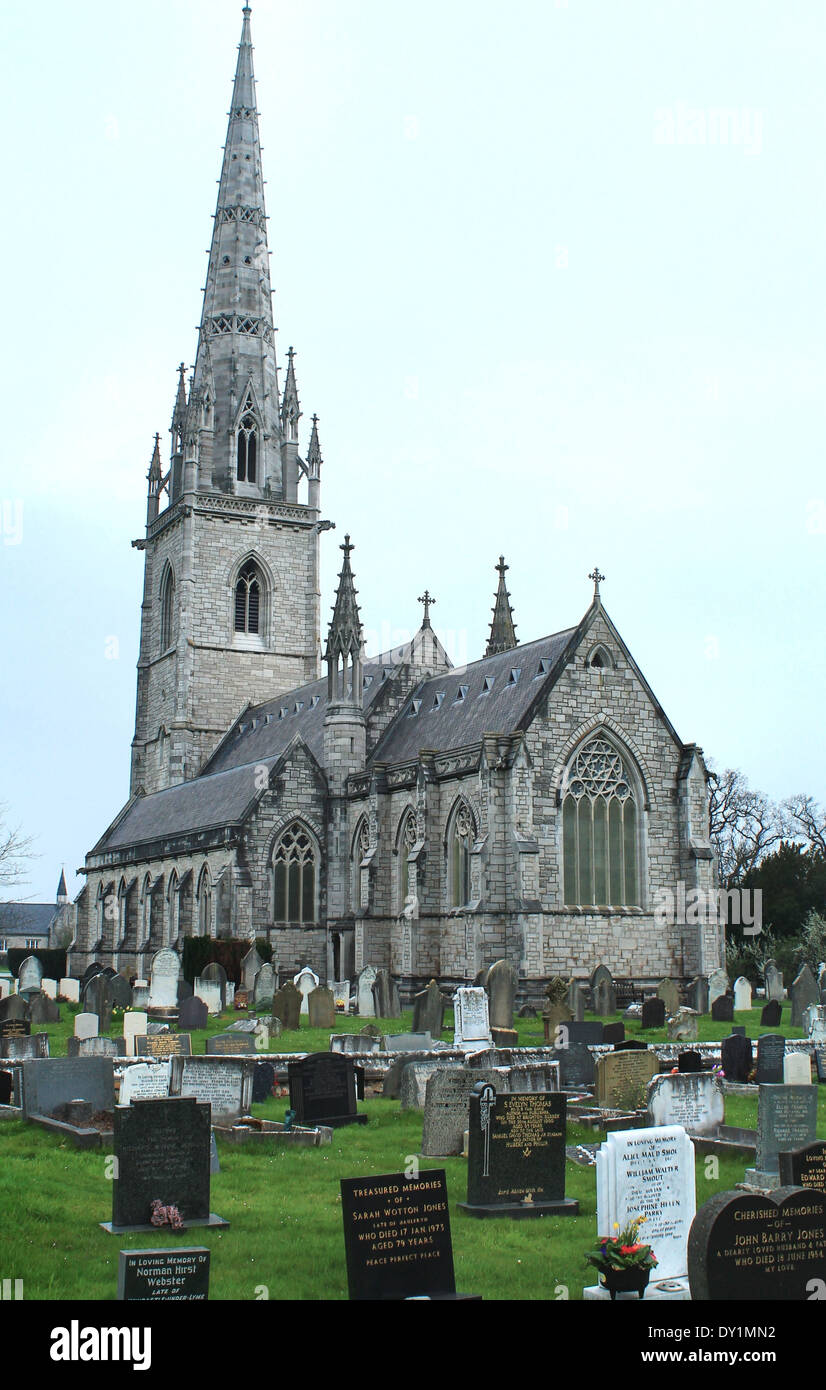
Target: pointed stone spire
155,482
502,629
290,407
345,639
62,890
154,474
314,462
235,369
179,413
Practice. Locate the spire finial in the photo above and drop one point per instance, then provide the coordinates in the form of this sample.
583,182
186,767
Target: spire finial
502,628
597,577
428,600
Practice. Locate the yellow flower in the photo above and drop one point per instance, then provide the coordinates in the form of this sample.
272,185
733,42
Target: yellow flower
616,1225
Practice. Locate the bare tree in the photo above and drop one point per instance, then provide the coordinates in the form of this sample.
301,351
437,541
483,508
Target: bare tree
806,822
15,854
745,825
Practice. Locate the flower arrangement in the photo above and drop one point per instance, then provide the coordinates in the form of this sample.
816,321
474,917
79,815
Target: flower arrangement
624,1251
165,1216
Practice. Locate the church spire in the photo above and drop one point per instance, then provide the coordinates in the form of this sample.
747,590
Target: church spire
234,407
179,413
345,639
502,629
156,483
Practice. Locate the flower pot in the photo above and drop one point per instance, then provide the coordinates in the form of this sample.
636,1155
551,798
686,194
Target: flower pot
625,1281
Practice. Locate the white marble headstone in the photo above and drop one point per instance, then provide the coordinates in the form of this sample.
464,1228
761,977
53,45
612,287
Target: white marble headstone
471,1021
87,1025
814,1021
69,989
134,1025
366,1003
718,984
5,987
163,986
30,974
650,1173
210,992
797,1069
145,1081
306,981
742,994
695,1100
49,987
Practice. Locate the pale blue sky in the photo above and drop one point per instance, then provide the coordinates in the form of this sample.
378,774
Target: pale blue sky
555,276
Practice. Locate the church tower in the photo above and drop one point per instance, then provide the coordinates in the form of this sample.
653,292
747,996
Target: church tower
230,610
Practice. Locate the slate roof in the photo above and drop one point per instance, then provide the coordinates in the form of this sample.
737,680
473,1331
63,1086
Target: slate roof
459,706
26,919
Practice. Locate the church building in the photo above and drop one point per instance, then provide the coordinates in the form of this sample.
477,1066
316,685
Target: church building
387,810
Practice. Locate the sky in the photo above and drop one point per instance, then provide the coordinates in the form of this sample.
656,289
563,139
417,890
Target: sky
554,275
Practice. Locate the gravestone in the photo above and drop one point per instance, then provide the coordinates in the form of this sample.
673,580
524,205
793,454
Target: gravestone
632,1045
804,1167
689,1061
429,1011
613,1033
722,1009
341,995
215,974
621,1079
820,1062
69,990
99,1047
140,994
804,991
697,995
736,1058
321,1008
30,974
305,982
144,1081
669,991
576,1001
471,1022
554,1015
185,990
771,1048
408,1042
653,1013
192,1014
797,1069
230,1045
683,1027
718,985
413,1082
180,1275
742,994
364,992
815,1023
516,1156
603,993
94,969
263,1080
786,1119
163,984
86,1025
650,1173
54,1081
694,1099
323,1090
773,982
43,1010
286,1005
397,1236
135,1023
250,969
386,996
501,983
771,1014
753,1248
15,1028
223,1082
97,999
163,1045
120,992
162,1153
22,1048
264,987
209,993
48,987
12,1008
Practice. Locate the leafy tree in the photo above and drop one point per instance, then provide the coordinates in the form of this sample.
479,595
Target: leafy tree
792,880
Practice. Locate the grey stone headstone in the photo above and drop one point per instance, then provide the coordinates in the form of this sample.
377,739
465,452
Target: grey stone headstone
408,1042
250,967
98,1000
98,1047
192,1014
683,1026
163,984
603,992
264,987
364,992
669,991
429,1010
501,984
144,1081
386,996
786,1120
576,1002
804,991
58,1080
13,1008
773,981
697,995
718,984
576,1064
321,1008
225,1082
447,1107
771,1048
43,1010
694,1099
19,1049
30,974
286,1005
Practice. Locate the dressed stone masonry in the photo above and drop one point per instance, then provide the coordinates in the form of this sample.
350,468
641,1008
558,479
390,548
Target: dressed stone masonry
387,812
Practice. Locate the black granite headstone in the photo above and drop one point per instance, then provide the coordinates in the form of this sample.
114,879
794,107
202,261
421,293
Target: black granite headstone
613,1033
689,1061
746,1247
158,1276
263,1080
94,969
162,1151
722,1010
15,1028
323,1090
13,1007
653,1013
771,1048
121,992
397,1236
736,1057
590,1033
185,991
576,1064
771,1014
631,1045
820,1062
738,1030
163,1045
192,1013
516,1159
230,1045
804,1167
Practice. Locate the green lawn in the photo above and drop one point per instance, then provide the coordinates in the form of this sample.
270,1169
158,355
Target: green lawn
285,1235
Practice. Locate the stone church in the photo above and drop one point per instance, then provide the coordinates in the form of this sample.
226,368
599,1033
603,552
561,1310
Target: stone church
387,810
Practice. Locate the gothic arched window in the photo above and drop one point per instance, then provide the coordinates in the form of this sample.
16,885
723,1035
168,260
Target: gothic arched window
406,841
294,876
205,902
247,449
361,847
167,608
248,600
461,835
600,829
